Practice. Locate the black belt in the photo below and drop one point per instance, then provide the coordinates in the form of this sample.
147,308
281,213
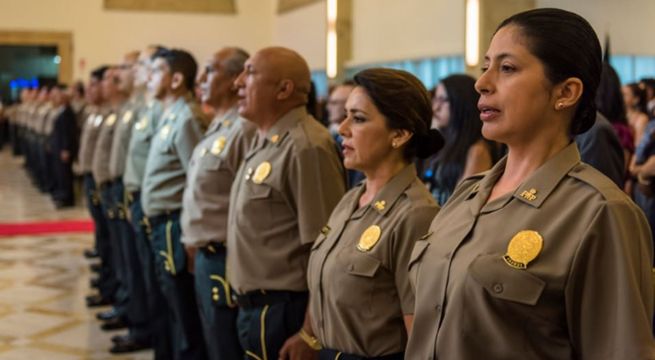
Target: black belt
260,298
337,355
160,219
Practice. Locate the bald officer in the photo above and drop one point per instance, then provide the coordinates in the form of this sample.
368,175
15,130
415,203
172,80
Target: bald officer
212,169
179,131
283,194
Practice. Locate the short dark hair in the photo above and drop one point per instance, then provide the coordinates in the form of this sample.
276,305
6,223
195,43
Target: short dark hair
180,61
567,46
99,72
405,104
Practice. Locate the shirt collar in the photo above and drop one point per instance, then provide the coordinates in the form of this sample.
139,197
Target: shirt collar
279,131
225,120
390,192
536,188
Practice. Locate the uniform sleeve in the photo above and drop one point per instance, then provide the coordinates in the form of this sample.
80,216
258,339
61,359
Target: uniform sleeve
609,293
317,183
186,140
415,224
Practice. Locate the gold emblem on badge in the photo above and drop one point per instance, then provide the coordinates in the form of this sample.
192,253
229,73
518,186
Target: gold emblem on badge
262,172
111,120
165,130
218,145
524,247
127,117
369,238
142,123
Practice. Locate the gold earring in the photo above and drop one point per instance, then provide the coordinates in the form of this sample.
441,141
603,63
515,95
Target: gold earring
560,106
394,145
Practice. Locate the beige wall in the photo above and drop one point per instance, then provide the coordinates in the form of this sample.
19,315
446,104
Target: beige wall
387,30
101,36
304,30
630,23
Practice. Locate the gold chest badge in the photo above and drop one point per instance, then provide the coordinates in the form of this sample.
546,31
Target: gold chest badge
165,130
369,238
218,145
262,172
524,247
127,117
98,121
142,123
111,120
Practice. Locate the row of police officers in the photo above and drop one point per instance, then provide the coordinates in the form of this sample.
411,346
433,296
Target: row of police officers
233,237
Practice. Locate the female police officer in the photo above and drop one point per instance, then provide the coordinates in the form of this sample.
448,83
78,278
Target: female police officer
361,302
542,257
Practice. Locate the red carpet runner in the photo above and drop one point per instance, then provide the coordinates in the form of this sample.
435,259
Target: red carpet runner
46,228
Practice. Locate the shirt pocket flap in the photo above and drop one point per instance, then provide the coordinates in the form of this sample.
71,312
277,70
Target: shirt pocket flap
364,266
419,249
504,282
260,192
212,162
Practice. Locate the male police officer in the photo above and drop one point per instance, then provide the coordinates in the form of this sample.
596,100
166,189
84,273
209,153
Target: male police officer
212,169
172,77
283,194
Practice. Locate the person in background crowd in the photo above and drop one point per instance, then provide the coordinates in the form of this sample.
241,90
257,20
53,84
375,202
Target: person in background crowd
63,143
635,102
466,152
609,102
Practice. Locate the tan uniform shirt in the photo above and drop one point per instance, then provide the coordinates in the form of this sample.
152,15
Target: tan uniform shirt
168,158
588,294
277,210
213,166
102,153
89,138
137,153
359,296
122,134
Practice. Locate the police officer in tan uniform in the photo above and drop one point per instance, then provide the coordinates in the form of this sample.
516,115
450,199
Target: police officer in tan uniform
88,140
179,131
361,300
144,128
212,169
542,257
117,317
283,194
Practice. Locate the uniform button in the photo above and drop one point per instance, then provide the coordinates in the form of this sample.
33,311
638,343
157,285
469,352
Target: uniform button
438,308
497,288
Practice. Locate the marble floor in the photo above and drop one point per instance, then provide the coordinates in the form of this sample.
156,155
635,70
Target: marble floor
43,281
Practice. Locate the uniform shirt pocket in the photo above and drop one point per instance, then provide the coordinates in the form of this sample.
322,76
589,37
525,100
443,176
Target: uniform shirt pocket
504,282
211,162
365,266
259,192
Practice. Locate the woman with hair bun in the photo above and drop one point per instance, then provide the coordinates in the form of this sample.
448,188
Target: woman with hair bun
361,303
542,257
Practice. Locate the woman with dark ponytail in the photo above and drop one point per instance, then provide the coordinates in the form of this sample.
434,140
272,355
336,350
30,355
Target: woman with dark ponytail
361,303
542,257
